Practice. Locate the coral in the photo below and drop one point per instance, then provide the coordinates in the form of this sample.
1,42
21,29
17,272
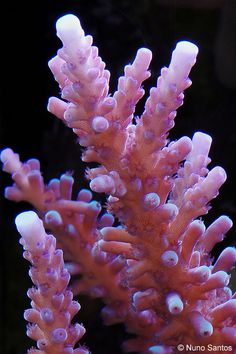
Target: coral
153,270
52,305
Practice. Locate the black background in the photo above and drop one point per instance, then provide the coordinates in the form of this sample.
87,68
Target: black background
119,28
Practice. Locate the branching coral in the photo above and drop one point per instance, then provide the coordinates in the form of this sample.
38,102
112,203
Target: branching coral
153,271
52,305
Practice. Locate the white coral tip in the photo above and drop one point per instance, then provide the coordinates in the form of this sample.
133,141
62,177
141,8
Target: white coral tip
183,58
187,48
69,26
5,154
31,229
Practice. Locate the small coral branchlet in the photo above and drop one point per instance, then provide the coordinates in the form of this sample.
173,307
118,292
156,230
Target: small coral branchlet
153,271
52,305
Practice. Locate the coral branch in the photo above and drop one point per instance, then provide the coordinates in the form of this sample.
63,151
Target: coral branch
52,305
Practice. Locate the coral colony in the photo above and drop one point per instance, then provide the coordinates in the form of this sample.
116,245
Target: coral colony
153,271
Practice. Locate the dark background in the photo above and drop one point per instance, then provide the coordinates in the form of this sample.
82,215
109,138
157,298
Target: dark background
119,28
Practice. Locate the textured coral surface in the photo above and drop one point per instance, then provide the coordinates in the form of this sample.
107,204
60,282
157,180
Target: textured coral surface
147,255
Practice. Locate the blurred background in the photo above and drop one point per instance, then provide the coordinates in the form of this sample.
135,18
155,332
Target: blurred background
28,40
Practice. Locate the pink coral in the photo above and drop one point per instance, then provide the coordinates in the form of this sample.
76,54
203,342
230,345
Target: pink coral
52,305
153,271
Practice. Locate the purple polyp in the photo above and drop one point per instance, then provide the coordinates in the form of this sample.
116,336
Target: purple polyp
169,258
42,343
151,201
59,335
47,315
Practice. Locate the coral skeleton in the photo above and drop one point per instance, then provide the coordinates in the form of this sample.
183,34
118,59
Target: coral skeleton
147,256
